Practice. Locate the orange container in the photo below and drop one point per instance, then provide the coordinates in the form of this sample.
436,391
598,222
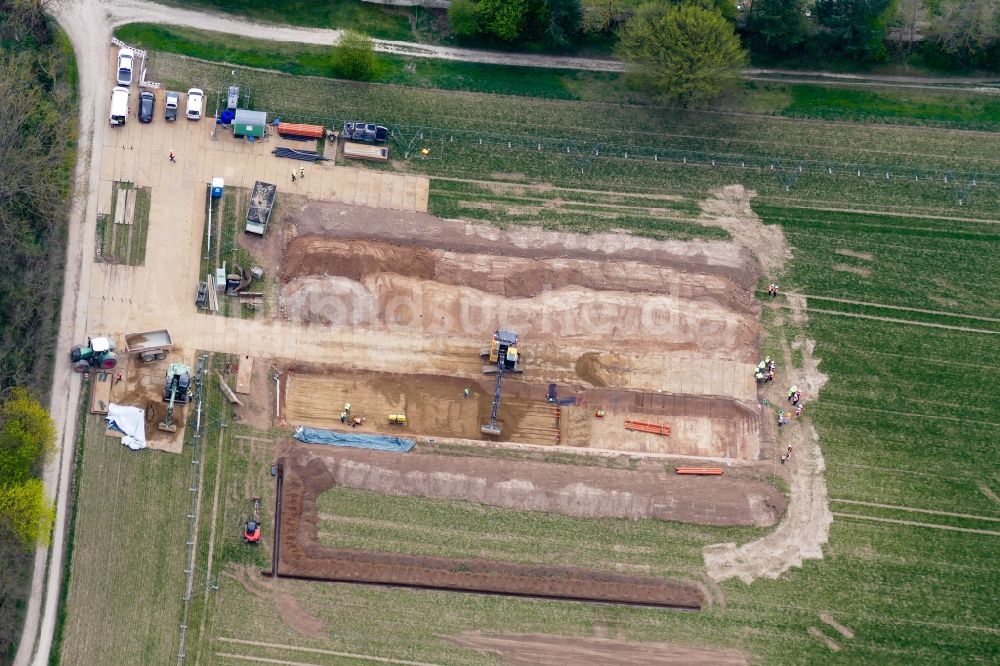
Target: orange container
293,129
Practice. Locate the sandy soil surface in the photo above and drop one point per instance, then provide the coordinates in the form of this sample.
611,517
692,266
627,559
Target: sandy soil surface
574,490
142,387
542,650
302,556
436,407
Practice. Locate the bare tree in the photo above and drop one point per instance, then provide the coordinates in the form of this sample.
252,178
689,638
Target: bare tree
965,28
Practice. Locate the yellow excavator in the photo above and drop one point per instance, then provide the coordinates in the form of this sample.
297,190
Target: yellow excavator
500,357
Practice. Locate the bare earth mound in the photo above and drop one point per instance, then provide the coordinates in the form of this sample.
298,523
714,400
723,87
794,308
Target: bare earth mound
574,490
302,556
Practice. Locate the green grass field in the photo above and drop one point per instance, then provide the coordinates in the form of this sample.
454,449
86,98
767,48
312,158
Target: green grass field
643,150
946,108
903,291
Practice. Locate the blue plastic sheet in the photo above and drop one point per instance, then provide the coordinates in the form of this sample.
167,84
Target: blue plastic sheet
359,441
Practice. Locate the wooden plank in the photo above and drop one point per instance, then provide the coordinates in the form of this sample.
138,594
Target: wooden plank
100,393
244,375
120,203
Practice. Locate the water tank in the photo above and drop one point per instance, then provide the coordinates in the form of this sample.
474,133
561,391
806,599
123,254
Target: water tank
217,185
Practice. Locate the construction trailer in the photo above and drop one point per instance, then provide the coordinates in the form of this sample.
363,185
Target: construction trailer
249,123
261,203
501,356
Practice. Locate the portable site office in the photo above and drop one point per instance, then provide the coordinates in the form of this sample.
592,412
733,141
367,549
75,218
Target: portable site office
249,123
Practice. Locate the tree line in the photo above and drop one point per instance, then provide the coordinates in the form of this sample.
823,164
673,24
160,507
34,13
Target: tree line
37,141
958,34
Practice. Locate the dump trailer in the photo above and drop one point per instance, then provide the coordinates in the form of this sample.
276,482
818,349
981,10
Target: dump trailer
149,346
261,203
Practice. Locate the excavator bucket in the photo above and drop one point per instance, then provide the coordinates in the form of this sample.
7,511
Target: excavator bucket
167,427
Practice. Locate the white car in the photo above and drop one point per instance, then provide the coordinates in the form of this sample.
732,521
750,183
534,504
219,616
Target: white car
196,97
126,62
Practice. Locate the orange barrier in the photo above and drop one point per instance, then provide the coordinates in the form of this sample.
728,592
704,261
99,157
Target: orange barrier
702,471
654,428
293,129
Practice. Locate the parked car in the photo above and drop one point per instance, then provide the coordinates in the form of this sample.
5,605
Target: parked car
173,101
367,132
126,63
118,115
147,103
196,97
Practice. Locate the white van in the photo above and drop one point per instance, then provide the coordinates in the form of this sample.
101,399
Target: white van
195,99
119,106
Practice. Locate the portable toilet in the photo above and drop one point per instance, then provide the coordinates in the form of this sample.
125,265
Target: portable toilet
233,97
217,185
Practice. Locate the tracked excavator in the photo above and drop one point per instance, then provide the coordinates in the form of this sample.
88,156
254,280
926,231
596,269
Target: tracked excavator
500,357
175,390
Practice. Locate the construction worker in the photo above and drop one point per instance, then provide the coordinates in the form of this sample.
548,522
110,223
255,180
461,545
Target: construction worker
293,175
770,375
118,378
792,391
302,172
466,393
799,409
759,376
795,398
172,156
343,417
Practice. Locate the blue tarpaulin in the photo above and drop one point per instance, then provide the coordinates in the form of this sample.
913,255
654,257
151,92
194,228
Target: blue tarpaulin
377,442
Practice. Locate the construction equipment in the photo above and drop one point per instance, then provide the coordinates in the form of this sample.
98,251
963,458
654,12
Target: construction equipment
251,533
699,471
502,357
652,428
175,390
397,419
98,353
150,346
259,210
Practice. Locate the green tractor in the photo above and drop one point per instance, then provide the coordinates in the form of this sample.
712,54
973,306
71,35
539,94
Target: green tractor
97,354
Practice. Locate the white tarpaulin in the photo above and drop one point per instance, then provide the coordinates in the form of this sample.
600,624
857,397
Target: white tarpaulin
131,421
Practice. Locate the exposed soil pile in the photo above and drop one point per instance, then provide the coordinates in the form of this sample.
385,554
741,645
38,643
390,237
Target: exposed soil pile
302,556
338,221
574,490
510,276
542,650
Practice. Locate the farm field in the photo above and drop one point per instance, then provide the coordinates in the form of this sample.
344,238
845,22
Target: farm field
528,141
889,302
